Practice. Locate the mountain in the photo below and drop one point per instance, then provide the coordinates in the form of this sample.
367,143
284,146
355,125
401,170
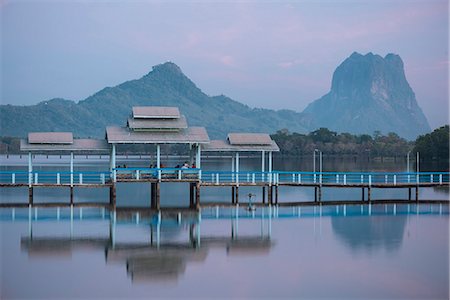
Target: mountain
370,93
165,85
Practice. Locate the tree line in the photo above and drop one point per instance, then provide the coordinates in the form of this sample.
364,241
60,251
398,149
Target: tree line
431,146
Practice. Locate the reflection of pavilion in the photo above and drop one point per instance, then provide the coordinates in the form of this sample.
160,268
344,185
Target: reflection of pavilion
160,258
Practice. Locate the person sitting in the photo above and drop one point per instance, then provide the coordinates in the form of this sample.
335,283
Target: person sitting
193,166
185,165
177,166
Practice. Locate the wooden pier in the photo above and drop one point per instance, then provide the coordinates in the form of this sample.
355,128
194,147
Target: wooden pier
197,179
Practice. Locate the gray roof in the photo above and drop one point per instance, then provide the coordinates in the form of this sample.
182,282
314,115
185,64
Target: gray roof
155,112
249,139
50,138
157,123
225,146
78,145
123,135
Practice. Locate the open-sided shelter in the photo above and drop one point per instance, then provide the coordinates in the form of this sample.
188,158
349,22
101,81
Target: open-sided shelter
157,125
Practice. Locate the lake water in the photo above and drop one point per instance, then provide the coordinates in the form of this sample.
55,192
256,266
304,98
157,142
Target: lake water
338,252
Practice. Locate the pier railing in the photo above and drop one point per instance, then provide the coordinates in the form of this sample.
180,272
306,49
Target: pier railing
327,178
125,174
54,178
223,177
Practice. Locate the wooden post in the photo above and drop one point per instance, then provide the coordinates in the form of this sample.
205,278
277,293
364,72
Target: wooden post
269,195
409,194
320,194
276,193
417,193
197,195
263,195
233,194
237,195
191,195
30,195
368,194
157,195
152,196
71,195
315,194
362,195
112,196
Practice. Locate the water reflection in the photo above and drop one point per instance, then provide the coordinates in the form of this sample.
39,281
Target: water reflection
365,234
160,252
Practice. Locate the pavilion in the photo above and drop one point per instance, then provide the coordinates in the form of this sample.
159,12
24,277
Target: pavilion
157,125
60,142
245,142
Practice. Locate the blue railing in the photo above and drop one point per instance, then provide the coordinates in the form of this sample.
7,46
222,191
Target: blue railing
341,178
220,177
53,177
155,173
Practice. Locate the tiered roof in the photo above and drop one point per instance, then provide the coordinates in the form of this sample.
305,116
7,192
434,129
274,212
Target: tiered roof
156,125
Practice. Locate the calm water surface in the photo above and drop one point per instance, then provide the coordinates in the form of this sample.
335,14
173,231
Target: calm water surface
339,252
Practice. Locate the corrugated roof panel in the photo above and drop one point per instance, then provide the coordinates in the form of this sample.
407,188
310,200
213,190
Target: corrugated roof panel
121,135
157,123
50,138
77,145
225,146
155,112
249,139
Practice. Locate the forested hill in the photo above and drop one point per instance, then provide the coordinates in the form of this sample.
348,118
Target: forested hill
165,85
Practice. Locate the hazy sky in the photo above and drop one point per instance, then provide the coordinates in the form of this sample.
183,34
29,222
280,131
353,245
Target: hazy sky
272,54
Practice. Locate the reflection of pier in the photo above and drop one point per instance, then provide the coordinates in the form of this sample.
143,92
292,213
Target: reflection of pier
159,257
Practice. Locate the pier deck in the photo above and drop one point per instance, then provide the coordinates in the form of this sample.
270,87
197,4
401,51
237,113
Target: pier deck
270,182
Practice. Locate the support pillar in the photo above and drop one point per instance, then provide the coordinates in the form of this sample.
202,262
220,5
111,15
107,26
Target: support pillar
263,161
158,156
30,169
270,161
320,194
198,157
368,194
276,194
237,167
409,194
417,193
112,196
71,169
269,195
157,195
315,194
362,195
71,195
263,195
112,161
233,194
152,195
30,195
197,196
191,195
237,195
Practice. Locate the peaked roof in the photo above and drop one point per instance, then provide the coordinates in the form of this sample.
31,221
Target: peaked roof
143,124
78,145
249,139
123,135
155,112
50,138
